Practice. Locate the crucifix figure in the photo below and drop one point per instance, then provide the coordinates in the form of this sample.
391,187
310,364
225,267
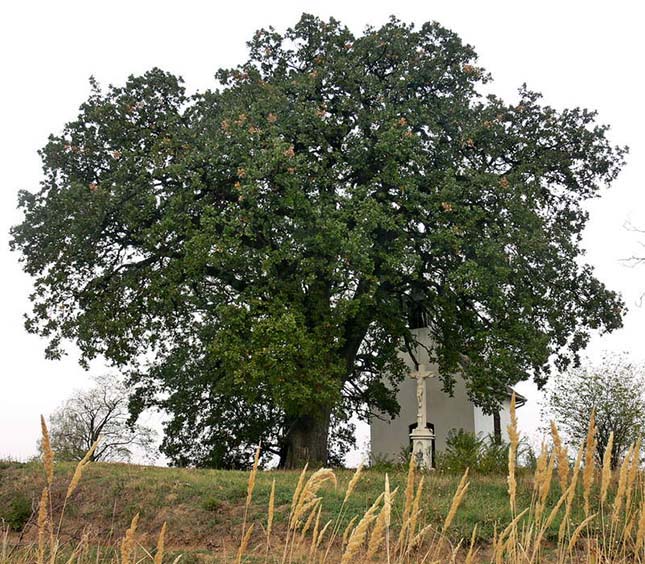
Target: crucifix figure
421,436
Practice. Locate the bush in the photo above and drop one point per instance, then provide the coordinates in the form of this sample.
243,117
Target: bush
468,450
462,451
18,512
493,457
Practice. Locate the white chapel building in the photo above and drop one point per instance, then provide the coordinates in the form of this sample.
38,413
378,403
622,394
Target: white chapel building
444,413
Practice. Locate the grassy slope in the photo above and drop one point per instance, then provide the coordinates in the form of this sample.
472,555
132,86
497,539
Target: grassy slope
204,508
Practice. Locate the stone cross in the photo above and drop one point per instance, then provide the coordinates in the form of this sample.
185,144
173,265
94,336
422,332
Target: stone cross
422,437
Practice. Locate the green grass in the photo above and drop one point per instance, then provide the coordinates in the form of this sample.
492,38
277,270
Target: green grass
204,508
116,491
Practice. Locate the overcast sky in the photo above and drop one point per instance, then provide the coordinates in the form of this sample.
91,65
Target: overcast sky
586,54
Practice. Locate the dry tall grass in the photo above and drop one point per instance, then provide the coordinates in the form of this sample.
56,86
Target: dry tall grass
571,517
48,549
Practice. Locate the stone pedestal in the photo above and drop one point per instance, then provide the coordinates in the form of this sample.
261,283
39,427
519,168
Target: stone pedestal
422,447
422,437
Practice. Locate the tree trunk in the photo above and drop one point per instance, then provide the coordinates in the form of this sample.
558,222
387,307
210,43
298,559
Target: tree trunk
497,428
306,441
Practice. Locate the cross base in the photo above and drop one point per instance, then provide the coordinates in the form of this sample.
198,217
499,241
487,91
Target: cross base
422,448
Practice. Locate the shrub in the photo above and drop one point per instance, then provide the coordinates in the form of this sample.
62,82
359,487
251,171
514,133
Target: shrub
468,450
18,512
493,456
463,450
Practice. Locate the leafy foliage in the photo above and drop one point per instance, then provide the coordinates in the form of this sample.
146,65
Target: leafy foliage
469,450
17,512
613,388
462,451
253,254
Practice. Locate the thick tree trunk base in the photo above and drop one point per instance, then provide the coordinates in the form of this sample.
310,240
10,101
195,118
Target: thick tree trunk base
306,442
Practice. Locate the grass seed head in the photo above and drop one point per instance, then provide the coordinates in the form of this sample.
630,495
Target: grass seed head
456,500
160,545
309,491
640,534
382,523
561,455
631,476
322,533
514,440
316,531
42,524
127,544
352,483
48,453
409,501
470,556
348,530
271,510
578,530
78,472
298,490
571,493
588,473
359,534
311,508
409,488
252,476
622,484
606,469
244,544
414,514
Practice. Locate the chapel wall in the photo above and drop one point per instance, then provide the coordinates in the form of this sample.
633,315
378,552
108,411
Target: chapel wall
390,438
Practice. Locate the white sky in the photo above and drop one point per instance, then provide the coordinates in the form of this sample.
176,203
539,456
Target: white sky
576,53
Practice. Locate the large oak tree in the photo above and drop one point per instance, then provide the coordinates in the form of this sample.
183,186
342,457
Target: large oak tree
253,254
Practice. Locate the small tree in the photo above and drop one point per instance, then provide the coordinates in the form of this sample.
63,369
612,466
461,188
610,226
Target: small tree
614,389
100,413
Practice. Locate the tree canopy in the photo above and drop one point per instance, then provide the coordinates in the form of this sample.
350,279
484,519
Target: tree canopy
99,414
253,254
613,390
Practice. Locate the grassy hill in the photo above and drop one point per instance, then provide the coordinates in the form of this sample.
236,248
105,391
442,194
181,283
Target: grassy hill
204,509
